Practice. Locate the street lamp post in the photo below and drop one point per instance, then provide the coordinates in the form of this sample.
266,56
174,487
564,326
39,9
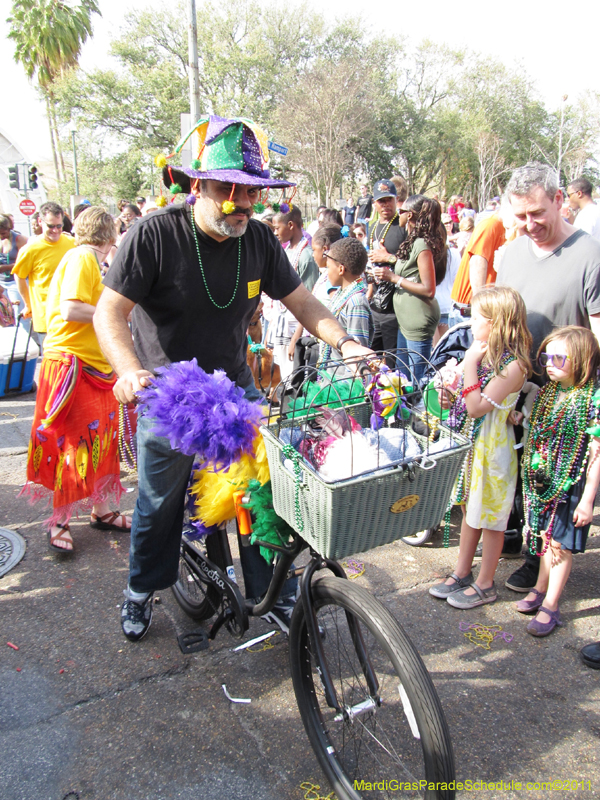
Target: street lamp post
73,129
193,62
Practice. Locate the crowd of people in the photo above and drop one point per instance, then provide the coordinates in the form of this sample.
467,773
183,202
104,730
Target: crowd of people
123,296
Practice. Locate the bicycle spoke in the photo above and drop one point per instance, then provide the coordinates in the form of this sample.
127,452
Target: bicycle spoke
371,741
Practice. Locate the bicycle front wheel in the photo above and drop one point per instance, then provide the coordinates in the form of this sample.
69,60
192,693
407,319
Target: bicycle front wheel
388,744
420,538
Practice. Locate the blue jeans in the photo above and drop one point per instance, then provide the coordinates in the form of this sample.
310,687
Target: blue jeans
417,355
455,317
163,476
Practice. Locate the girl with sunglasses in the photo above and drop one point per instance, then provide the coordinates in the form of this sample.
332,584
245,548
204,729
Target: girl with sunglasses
561,467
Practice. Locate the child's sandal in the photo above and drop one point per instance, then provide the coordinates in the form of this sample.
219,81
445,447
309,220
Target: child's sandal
536,628
529,606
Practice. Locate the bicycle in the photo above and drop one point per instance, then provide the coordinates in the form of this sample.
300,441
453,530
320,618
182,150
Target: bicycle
366,700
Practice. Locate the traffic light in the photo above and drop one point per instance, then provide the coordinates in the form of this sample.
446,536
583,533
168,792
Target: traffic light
33,184
13,176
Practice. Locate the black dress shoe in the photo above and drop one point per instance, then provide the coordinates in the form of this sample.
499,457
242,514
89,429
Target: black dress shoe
590,655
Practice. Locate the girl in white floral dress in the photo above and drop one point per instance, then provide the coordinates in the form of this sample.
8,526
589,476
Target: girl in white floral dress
494,370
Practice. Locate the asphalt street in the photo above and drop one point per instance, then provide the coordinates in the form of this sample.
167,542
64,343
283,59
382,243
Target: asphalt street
83,711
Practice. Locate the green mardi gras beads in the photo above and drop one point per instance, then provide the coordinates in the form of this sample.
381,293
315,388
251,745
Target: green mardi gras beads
559,439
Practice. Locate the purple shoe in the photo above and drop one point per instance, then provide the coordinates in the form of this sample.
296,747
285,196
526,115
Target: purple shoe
536,628
529,606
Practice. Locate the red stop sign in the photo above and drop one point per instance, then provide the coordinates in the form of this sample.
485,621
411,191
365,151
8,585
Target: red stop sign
27,207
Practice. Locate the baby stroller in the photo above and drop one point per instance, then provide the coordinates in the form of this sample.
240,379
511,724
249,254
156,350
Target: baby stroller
453,344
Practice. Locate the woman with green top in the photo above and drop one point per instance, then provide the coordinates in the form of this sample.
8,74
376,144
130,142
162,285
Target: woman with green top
419,266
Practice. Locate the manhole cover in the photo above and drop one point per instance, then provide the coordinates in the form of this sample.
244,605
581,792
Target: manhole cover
12,549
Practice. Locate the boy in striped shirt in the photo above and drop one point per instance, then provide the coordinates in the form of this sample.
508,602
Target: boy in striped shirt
346,262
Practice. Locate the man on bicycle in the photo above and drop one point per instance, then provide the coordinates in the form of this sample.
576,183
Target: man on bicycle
191,277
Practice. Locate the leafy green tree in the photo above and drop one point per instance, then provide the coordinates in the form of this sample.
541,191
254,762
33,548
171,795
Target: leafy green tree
574,139
328,111
48,36
411,133
249,56
347,105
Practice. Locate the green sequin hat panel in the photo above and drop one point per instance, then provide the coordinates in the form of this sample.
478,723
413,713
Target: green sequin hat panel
232,150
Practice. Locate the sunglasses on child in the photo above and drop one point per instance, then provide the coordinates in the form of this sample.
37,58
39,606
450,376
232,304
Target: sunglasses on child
558,360
326,254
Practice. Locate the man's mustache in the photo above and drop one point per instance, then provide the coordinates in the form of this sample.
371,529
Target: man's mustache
238,210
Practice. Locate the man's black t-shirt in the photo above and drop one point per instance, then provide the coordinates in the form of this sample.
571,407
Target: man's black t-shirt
364,207
157,267
394,235
382,299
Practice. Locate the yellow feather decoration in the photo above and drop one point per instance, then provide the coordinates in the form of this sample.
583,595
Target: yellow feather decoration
228,207
161,202
213,491
160,161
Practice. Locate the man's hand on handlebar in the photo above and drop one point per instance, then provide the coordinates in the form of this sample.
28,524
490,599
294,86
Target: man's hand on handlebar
356,356
130,383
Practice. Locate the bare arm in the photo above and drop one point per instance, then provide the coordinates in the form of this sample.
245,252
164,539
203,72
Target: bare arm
497,389
595,325
297,334
23,288
477,272
77,311
317,319
112,330
585,509
424,288
20,241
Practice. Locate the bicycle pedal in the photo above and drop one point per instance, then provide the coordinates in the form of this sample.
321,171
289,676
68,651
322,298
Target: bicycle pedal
193,642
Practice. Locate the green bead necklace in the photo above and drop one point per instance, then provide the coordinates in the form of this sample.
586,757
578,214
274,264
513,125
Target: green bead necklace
555,456
237,277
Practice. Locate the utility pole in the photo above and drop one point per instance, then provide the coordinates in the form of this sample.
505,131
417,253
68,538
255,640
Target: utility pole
193,62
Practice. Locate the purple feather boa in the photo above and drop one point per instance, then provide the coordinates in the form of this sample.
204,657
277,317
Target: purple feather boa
200,414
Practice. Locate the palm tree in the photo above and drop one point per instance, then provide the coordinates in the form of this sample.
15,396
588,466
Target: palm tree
48,36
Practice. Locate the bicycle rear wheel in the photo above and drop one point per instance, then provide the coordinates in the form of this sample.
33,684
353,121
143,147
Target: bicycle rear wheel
197,596
391,746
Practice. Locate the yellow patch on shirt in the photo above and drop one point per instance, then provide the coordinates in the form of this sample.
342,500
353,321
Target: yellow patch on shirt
253,288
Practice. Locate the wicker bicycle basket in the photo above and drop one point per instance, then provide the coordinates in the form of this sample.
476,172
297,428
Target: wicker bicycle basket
369,508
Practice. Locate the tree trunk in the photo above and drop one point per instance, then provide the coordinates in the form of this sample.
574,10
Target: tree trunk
61,160
52,142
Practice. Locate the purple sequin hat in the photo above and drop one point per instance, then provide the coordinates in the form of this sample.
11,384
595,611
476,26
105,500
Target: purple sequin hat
231,150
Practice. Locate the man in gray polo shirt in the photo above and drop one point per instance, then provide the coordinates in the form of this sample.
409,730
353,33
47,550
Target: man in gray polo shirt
556,269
